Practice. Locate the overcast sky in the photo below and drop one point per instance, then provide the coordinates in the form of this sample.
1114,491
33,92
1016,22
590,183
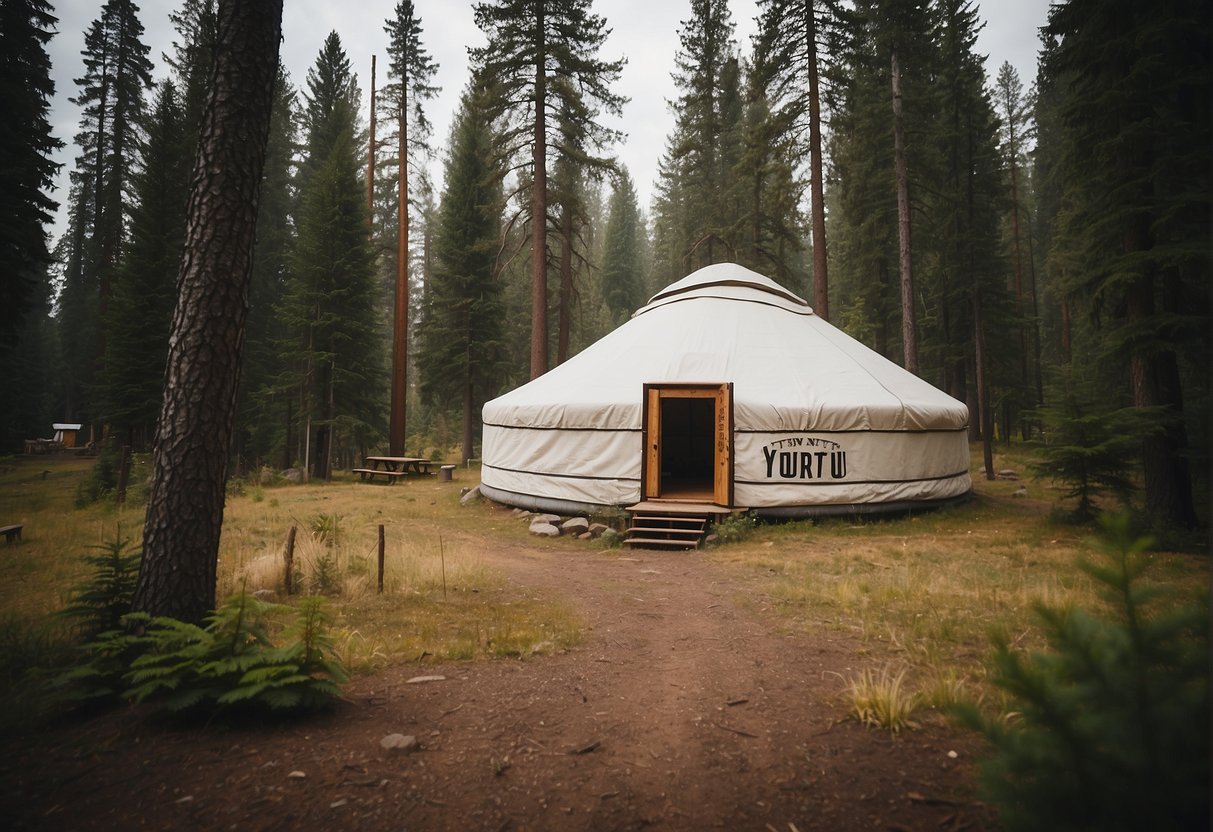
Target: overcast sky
644,31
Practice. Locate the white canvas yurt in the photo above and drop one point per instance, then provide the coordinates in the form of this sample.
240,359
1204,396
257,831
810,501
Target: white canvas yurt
727,389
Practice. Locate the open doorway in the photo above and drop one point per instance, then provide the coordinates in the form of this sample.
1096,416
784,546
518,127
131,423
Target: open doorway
688,443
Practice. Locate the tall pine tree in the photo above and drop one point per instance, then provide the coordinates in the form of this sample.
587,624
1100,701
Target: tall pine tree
1135,119
145,288
334,344
542,59
459,350
412,70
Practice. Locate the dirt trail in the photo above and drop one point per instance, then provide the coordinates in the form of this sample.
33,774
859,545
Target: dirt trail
686,708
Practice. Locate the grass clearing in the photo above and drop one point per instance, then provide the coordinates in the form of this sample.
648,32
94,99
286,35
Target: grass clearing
922,593
440,601
928,590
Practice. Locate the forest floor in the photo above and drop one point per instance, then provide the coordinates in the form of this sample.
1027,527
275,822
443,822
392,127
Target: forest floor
689,704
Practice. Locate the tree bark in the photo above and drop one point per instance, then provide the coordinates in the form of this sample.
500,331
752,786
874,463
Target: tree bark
539,209
821,280
370,162
565,315
189,467
400,320
909,329
983,393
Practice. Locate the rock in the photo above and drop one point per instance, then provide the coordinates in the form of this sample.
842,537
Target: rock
585,536
417,680
472,496
296,775
554,519
1020,492
609,535
292,475
520,512
401,743
596,529
1008,474
575,525
266,475
544,530
712,538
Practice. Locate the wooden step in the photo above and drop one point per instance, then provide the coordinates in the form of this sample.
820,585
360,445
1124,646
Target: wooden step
648,541
672,534
684,519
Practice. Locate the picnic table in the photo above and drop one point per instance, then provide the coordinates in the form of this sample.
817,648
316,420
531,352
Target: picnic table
391,468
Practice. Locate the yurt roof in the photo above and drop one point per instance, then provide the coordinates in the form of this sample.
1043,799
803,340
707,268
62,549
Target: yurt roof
724,323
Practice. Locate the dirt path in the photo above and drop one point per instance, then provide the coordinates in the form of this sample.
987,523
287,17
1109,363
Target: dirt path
686,708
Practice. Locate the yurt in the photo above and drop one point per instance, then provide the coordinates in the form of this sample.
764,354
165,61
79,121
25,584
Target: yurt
727,389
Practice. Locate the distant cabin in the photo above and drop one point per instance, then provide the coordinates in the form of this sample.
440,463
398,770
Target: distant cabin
65,434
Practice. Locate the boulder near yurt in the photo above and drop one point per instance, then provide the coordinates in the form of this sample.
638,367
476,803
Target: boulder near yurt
726,389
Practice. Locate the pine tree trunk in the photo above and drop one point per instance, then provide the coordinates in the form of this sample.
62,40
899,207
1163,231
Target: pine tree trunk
565,323
539,210
821,280
400,318
909,329
983,393
468,426
185,508
370,161
1155,381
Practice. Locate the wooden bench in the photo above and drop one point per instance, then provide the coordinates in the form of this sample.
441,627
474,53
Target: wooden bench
369,474
12,532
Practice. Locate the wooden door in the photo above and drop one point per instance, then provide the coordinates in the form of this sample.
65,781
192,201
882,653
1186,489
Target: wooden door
654,485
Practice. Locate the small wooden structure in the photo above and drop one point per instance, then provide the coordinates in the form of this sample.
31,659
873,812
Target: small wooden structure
66,433
12,533
392,468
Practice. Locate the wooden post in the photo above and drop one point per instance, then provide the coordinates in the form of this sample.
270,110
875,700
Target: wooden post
290,559
380,558
442,556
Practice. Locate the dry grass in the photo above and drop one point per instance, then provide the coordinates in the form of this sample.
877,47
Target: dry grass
927,591
439,602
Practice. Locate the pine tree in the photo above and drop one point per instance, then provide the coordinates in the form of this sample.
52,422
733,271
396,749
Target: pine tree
413,70
27,169
622,279
1015,112
459,350
145,288
694,225
1136,132
965,290
1112,727
195,23
791,37
116,74
264,411
193,435
334,340
541,62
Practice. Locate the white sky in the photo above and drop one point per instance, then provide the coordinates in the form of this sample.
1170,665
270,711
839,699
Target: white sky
644,31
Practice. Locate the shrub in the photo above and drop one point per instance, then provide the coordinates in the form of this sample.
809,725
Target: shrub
101,480
99,604
1111,729
735,527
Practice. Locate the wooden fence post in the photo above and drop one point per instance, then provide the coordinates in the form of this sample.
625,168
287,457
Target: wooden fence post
380,558
290,559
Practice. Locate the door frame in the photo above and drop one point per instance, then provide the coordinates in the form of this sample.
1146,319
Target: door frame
722,456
